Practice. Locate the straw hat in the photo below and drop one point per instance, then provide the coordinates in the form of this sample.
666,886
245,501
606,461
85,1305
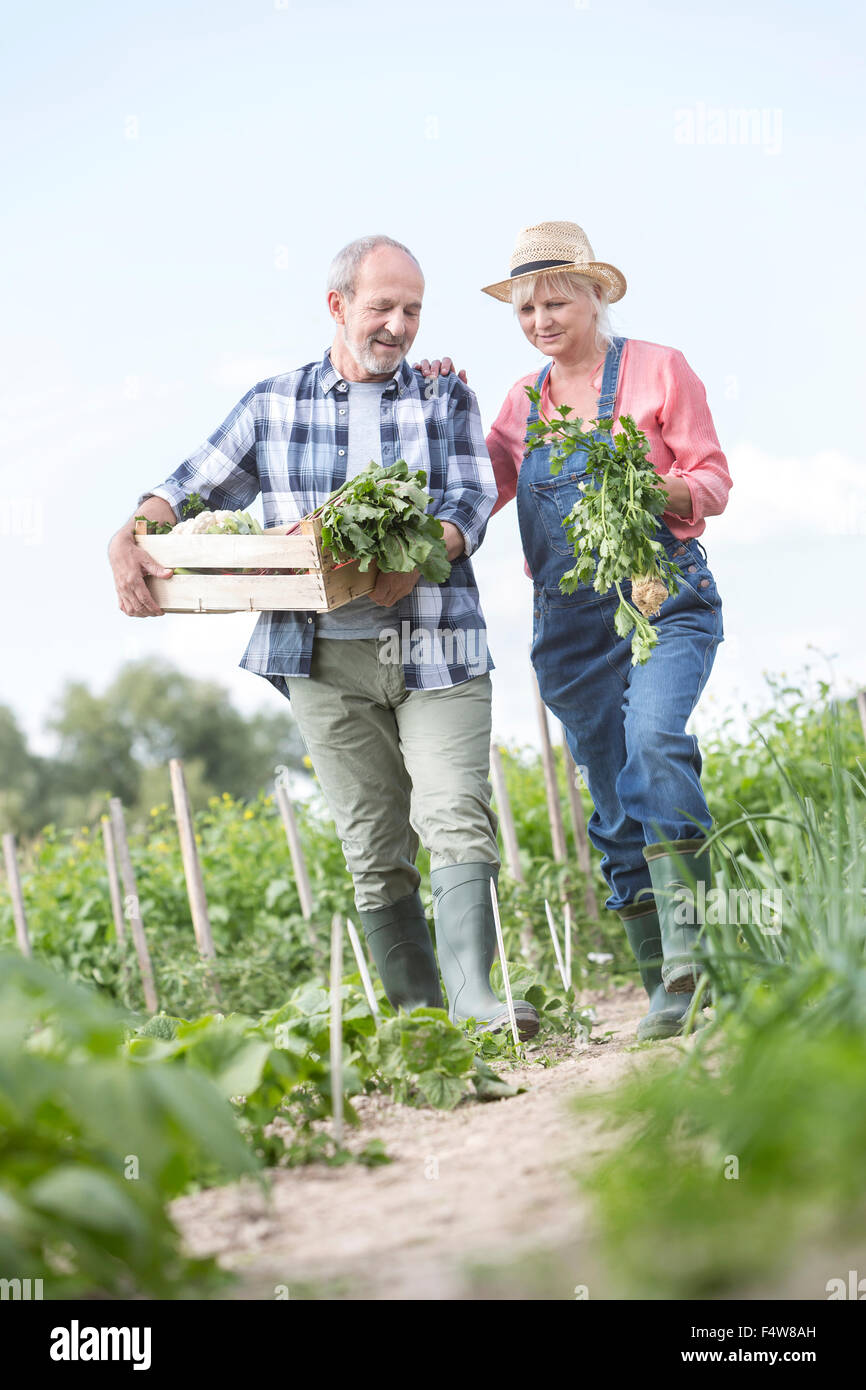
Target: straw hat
557,246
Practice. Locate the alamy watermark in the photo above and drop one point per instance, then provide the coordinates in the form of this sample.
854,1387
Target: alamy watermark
434,646
20,1289
22,516
729,125
761,907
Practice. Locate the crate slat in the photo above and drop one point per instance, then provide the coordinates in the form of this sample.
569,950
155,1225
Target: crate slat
238,593
230,552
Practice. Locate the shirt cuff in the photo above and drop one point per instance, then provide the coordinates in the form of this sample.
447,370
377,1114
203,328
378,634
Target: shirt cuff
462,518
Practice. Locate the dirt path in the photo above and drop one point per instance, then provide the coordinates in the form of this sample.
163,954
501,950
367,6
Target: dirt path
478,1202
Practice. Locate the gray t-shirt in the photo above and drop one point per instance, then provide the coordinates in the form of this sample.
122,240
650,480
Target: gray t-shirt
362,617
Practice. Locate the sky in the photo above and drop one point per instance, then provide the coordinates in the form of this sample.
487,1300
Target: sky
177,178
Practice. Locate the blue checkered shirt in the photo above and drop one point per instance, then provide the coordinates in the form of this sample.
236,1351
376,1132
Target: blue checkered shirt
288,439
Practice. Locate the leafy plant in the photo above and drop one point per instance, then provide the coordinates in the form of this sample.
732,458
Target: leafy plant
381,515
723,1164
92,1147
613,527
787,1061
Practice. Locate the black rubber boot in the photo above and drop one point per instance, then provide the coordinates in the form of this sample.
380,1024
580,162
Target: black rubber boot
466,942
667,1012
402,948
676,875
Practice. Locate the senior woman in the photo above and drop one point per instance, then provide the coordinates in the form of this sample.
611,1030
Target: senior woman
625,724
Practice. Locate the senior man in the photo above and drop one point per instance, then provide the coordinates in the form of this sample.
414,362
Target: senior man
392,691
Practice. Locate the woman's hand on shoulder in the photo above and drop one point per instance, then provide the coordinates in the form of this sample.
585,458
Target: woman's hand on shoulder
439,367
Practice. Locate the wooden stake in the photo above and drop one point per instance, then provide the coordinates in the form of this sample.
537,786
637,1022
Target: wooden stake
506,815
504,963
560,964
16,895
362,967
132,908
578,822
299,865
113,885
296,850
554,809
568,970
337,1028
191,864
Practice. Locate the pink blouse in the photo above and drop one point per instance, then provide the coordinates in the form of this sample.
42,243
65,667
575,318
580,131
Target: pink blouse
658,388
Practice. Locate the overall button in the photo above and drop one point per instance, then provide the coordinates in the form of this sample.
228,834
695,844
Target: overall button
681,551
704,584
692,569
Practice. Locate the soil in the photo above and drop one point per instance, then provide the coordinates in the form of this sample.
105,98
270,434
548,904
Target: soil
478,1202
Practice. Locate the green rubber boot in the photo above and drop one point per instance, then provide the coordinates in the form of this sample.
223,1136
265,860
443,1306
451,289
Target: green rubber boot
466,942
667,1012
402,948
677,875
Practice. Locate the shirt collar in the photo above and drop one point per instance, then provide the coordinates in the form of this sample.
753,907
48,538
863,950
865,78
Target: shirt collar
330,377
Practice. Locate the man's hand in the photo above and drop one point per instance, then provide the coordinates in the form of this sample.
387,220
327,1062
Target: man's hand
129,564
391,587
437,367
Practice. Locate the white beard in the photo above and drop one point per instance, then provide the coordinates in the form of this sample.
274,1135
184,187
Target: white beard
366,357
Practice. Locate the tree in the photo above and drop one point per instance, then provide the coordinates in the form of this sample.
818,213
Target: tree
119,744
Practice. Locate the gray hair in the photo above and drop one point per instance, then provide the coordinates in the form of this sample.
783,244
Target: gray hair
344,266
568,284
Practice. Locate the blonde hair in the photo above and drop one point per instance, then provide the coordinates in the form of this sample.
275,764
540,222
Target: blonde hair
568,284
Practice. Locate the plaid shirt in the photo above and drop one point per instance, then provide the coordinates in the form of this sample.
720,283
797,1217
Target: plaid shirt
288,438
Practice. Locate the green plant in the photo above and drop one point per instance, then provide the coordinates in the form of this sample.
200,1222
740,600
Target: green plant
756,1140
381,515
92,1147
613,527
725,1163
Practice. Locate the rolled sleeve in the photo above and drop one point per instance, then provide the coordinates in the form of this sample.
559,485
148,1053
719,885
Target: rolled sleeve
470,489
689,433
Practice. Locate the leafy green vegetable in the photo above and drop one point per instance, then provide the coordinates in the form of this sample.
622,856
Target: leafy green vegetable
613,527
93,1146
381,515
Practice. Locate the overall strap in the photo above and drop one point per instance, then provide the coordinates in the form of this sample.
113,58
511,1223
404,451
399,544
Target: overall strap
612,363
533,409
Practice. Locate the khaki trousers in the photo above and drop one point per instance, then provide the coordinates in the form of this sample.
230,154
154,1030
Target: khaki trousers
396,766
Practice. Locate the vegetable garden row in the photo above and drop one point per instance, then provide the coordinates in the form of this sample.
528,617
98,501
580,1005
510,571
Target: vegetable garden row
229,1083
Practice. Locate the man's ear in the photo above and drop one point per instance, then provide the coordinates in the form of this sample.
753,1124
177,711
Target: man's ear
336,306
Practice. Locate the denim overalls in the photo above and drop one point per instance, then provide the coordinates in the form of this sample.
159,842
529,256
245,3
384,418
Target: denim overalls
625,724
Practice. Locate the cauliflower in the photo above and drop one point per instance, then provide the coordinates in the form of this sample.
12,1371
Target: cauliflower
218,523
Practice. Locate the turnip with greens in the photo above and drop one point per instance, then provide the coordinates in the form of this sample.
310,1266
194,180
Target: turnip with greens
613,527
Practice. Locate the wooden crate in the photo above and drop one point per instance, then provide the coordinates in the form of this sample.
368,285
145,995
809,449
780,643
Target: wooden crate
326,584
